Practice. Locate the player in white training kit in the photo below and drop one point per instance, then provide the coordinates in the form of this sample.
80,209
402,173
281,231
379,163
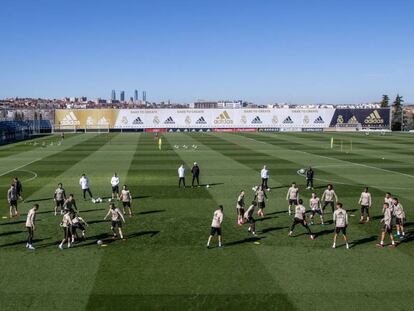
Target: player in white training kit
31,226
66,224
115,186
292,197
248,216
365,202
316,208
387,225
329,197
117,218
300,218
399,215
240,208
126,199
340,219
216,226
264,173
260,197
59,197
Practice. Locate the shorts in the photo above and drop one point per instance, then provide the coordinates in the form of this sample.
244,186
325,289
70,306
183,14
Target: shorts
399,221
13,203
340,229
387,229
126,204
116,223
67,231
293,202
60,203
115,189
364,208
215,230
78,226
317,211
261,205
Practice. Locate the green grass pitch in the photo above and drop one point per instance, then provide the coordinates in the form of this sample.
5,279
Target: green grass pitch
164,263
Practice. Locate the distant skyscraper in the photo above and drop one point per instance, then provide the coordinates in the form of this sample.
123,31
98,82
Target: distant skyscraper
122,96
136,95
144,96
113,95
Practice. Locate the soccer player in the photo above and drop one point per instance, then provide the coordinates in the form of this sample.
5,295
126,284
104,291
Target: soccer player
340,218
329,197
365,202
292,197
126,199
260,197
181,176
264,173
30,225
315,205
216,226
117,219
240,208
70,205
195,171
78,223
248,215
387,227
300,218
399,217
12,199
309,178
59,197
19,188
115,186
84,183
388,199
66,224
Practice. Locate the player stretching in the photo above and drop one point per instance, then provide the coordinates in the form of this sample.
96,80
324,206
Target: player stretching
329,197
30,225
126,199
117,219
365,202
315,205
260,197
12,199
59,197
115,186
300,218
240,208
292,197
340,218
216,226
387,228
66,224
399,217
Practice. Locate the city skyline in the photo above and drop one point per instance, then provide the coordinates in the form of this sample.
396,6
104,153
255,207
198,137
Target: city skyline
300,52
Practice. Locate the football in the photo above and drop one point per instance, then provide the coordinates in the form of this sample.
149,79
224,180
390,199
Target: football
99,242
302,171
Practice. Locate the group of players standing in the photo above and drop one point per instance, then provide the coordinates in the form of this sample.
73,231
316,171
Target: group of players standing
71,219
393,211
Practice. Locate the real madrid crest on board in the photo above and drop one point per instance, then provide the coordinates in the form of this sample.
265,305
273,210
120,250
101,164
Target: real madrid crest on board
340,119
187,120
305,119
156,120
243,119
275,120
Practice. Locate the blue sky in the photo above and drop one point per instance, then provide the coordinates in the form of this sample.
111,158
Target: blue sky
299,51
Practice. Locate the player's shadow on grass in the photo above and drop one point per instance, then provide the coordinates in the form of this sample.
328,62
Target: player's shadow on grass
276,213
13,223
324,232
92,210
213,184
266,230
38,200
10,233
151,212
279,187
369,239
22,242
265,218
97,221
142,197
107,238
246,240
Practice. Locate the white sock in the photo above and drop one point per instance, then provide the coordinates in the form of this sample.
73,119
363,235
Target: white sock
382,243
392,242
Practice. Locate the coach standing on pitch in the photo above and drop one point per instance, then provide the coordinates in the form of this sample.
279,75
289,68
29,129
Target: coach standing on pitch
84,183
195,170
309,178
181,176
265,177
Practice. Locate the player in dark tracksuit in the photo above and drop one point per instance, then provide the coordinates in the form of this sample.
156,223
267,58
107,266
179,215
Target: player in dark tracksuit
195,170
309,178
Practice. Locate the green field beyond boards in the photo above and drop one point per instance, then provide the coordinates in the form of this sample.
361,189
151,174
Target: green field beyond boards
164,263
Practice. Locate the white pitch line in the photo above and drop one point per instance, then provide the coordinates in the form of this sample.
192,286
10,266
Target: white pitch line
31,172
358,164
17,168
